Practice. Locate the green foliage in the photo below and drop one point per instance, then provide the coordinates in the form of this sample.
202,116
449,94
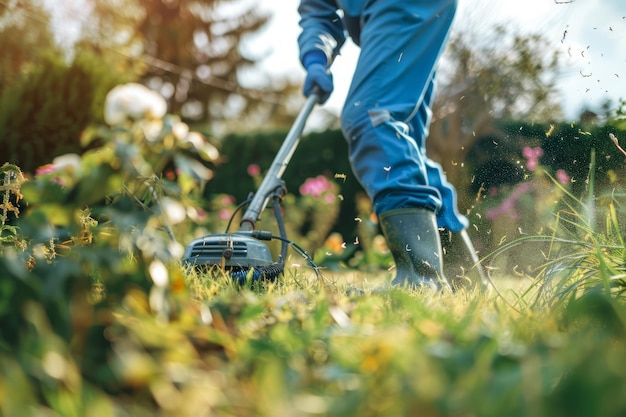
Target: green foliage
583,261
620,116
48,95
90,230
570,145
26,39
512,199
583,249
44,114
496,159
11,179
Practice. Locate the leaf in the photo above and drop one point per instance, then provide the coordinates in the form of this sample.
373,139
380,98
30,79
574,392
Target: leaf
8,234
43,191
58,215
96,185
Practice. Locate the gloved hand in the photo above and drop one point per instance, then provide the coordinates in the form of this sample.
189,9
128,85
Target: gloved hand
317,75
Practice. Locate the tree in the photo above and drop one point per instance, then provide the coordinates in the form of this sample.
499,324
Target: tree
189,48
502,76
26,38
619,117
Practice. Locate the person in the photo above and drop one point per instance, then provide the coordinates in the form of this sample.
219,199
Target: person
386,117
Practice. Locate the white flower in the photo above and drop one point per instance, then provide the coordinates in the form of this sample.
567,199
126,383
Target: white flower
173,210
158,273
152,129
69,162
133,101
180,130
176,249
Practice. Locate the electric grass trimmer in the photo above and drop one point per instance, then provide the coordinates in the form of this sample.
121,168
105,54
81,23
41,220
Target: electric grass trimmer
243,254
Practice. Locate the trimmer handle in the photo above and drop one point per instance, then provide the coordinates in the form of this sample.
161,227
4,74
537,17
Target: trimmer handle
272,180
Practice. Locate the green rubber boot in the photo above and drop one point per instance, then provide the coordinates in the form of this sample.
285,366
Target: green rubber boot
413,239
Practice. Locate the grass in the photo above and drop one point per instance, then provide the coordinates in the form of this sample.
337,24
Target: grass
285,350
344,344
348,344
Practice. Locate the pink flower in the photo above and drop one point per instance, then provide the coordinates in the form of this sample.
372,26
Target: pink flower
532,156
45,169
49,169
529,152
227,200
562,176
496,212
532,164
253,170
315,186
508,206
224,214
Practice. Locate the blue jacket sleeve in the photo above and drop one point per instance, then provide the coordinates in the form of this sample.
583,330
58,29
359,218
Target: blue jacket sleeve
322,29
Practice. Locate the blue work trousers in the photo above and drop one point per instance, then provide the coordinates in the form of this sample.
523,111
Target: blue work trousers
387,112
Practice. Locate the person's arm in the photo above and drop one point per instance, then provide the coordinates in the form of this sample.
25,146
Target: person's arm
321,38
322,31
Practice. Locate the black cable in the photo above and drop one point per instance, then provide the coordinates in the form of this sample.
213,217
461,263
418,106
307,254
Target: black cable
237,210
281,228
300,250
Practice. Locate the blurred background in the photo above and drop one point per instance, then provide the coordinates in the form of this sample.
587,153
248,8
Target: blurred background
528,92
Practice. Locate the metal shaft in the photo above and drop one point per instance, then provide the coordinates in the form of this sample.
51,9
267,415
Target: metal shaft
273,178
485,281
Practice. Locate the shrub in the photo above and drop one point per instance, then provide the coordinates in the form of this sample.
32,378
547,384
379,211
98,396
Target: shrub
45,112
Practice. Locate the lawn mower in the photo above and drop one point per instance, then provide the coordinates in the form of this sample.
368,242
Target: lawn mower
243,254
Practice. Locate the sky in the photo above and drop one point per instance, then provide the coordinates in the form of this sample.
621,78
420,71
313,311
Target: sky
590,34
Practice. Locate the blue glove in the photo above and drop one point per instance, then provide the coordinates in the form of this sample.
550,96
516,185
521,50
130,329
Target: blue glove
317,75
